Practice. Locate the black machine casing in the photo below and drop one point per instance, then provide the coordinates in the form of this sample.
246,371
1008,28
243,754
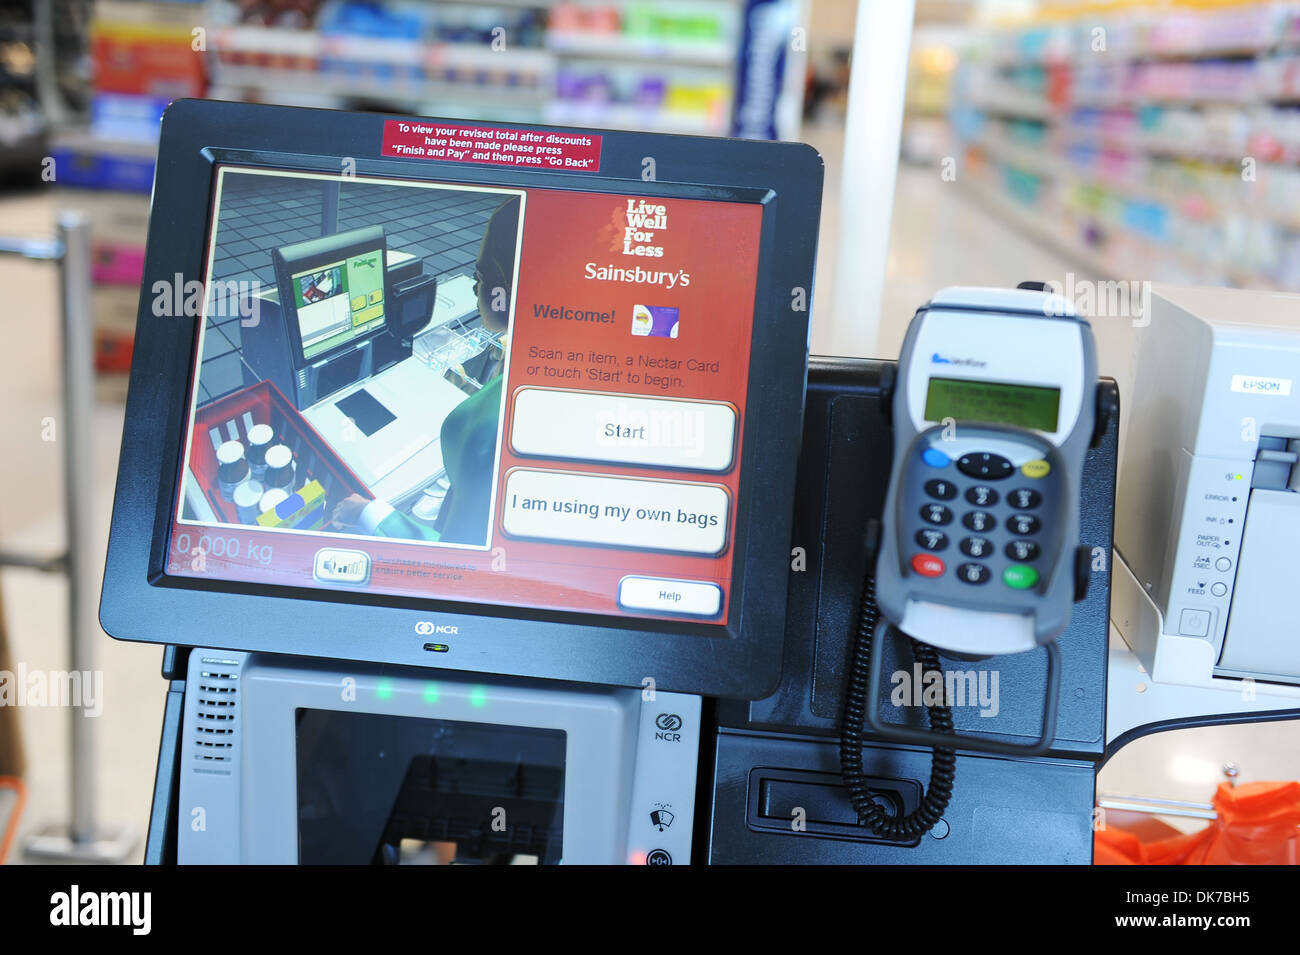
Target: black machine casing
781,753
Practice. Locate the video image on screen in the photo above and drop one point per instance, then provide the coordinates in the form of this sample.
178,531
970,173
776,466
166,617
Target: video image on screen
350,363
470,393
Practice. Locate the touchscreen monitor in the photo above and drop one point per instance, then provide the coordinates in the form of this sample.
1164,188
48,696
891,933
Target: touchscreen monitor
593,467
579,464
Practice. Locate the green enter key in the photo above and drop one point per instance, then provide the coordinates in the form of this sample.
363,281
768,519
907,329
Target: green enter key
1020,576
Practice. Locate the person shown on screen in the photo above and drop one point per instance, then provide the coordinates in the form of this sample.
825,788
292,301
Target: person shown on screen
469,433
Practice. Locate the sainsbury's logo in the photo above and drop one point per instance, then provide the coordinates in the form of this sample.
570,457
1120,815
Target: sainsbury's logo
642,224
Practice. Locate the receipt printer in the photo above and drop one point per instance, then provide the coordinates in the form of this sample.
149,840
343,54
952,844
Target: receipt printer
1207,512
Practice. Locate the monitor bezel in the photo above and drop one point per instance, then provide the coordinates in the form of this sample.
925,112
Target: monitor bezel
738,658
285,270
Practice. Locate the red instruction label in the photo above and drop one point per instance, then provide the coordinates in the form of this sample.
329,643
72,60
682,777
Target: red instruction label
492,145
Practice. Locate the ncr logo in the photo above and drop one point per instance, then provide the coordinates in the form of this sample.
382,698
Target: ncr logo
77,908
427,628
667,726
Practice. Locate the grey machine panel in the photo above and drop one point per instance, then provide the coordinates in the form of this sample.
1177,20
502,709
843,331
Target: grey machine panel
628,764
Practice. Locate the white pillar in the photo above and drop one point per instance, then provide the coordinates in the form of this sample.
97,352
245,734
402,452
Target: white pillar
882,40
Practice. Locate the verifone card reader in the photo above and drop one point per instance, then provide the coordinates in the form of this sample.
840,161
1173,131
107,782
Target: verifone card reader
1207,519
993,412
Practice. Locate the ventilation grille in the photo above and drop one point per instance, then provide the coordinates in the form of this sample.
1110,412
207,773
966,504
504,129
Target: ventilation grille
217,703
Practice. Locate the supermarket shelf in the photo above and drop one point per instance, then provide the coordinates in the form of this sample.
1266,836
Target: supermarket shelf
1194,205
1147,145
642,118
285,44
1153,182
1041,162
1034,222
1045,225
620,47
1010,103
344,85
1122,56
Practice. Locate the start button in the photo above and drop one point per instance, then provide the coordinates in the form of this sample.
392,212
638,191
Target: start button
693,598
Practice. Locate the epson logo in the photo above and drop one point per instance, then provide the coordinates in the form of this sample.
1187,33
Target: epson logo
937,359
1259,385
427,628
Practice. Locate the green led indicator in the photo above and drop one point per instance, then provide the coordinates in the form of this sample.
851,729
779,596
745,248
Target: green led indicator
384,690
431,693
478,697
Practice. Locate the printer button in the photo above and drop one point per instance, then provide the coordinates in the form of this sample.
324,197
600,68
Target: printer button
1194,623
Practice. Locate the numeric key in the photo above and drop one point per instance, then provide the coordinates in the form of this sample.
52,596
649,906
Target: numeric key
931,539
936,514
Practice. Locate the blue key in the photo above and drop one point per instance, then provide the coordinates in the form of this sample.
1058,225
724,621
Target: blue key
935,458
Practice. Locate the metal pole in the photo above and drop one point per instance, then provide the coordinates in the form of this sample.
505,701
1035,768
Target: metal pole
882,40
47,79
82,840
329,208
78,490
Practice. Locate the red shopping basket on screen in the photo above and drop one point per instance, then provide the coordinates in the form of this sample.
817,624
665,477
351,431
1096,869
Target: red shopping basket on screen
231,417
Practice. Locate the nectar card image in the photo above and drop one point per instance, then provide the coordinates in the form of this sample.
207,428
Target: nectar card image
658,321
339,413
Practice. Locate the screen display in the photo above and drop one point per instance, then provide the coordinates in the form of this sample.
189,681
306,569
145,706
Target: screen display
1021,406
339,302
564,433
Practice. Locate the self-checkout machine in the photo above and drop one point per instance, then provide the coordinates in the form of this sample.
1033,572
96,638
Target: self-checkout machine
610,671
532,686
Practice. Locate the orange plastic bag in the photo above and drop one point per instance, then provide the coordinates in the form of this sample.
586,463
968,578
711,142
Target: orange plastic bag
1256,825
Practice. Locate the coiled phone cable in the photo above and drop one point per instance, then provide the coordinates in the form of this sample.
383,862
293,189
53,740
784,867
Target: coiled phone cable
943,761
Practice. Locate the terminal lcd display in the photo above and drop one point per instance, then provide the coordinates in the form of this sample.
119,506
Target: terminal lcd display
565,433
338,302
966,399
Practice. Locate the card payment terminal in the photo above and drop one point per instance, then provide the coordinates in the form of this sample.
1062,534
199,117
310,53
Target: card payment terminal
993,412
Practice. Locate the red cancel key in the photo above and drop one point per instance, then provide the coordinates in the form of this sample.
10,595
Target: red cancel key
927,565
